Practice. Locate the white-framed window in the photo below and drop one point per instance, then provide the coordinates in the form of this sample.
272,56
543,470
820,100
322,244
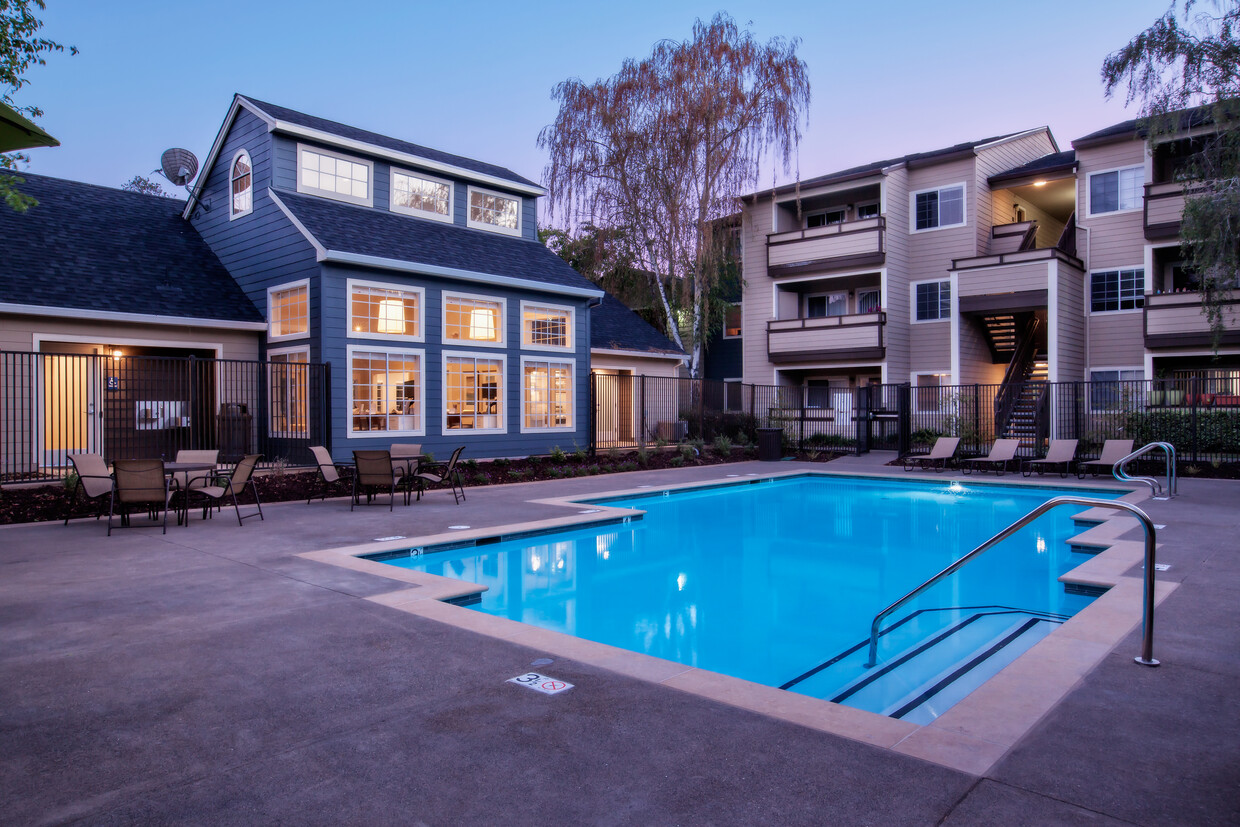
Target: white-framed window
869,210
546,395
386,391
1111,388
932,300
288,385
473,392
331,175
928,391
288,311
938,209
824,218
546,326
385,311
490,210
733,321
477,320
421,195
1116,190
1112,290
241,184
869,301
821,305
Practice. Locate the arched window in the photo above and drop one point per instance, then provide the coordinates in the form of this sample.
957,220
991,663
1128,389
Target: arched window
242,180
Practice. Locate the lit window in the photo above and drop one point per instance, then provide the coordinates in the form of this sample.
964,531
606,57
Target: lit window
935,209
1108,389
385,390
547,400
732,322
826,304
1117,290
288,380
473,319
492,211
333,176
546,326
473,391
242,179
288,311
417,195
1115,191
384,312
933,300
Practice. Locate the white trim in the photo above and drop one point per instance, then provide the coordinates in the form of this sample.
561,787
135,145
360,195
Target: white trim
136,318
302,187
494,228
912,294
350,333
77,338
803,309
946,380
1052,321
724,334
446,294
320,252
1089,291
1090,370
954,334
271,425
420,353
501,403
1089,190
217,146
280,288
641,354
1017,136
877,203
233,216
964,208
401,210
572,390
399,265
571,332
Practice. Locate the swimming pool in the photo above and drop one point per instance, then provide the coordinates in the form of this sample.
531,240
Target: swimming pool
776,582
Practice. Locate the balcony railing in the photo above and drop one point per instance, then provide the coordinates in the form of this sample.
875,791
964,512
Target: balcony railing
1164,204
842,338
847,246
1176,320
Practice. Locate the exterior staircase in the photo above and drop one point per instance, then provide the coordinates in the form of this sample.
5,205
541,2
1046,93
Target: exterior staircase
1022,423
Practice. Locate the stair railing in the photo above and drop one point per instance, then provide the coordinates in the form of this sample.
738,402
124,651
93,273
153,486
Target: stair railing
1146,657
1017,374
1156,488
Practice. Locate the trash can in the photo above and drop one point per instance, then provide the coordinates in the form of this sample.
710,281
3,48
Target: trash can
770,444
233,431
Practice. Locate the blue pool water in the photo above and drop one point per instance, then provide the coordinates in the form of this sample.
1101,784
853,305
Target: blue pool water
777,582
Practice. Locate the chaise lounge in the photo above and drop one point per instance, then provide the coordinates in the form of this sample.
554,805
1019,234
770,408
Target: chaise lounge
1059,456
943,452
1002,454
1113,450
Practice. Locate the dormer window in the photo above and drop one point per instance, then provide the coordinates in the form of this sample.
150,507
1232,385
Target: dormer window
494,211
324,173
421,196
242,180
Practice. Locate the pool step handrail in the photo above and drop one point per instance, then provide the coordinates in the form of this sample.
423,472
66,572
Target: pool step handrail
1146,657
1156,488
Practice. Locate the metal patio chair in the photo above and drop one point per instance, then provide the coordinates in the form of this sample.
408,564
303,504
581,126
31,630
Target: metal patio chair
1060,455
328,470
94,482
139,482
436,473
373,472
1002,454
943,452
223,484
1113,450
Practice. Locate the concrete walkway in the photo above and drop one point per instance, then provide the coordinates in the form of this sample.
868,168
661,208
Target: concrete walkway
213,676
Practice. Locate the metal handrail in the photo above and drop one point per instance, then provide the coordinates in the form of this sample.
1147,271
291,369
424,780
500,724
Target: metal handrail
1156,489
1147,640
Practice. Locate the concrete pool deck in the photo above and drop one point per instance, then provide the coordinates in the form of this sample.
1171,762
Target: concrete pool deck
214,675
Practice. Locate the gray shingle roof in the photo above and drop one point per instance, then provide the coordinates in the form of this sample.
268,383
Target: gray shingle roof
615,327
96,248
1132,129
1054,162
370,232
341,130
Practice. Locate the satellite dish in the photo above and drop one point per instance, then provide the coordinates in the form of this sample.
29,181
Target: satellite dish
179,166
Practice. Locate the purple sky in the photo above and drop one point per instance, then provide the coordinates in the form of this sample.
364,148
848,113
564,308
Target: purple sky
887,78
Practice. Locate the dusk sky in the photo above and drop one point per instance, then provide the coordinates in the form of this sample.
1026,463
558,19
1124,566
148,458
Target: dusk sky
886,78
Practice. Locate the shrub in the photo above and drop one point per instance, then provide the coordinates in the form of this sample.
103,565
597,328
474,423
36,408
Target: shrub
557,454
687,452
594,470
580,455
501,463
699,445
613,452
660,442
627,466
516,474
723,446
643,456
676,461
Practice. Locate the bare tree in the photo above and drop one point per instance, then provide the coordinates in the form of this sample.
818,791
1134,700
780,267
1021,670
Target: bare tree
1184,71
145,186
666,147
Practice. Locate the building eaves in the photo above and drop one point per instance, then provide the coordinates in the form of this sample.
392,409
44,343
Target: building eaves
1052,165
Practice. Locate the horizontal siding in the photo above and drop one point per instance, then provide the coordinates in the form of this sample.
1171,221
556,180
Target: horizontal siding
1000,158
1008,279
1068,324
822,247
662,368
832,338
1115,340
896,296
930,346
931,252
756,308
1116,240
18,333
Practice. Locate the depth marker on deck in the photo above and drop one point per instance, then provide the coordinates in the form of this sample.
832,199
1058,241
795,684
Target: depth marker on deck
541,683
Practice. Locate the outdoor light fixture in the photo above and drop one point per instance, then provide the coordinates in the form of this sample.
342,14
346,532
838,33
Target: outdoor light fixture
1039,183
391,316
117,354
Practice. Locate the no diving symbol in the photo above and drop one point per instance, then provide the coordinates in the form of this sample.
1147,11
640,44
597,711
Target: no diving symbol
554,686
541,683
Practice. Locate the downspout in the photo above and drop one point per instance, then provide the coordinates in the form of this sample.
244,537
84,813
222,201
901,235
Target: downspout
1085,293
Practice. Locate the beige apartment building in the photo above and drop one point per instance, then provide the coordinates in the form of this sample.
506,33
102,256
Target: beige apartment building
995,261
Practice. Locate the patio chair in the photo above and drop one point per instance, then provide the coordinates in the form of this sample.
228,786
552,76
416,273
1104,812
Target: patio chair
139,482
405,455
329,471
1061,454
185,481
436,473
1113,450
223,484
373,472
943,452
94,481
1002,453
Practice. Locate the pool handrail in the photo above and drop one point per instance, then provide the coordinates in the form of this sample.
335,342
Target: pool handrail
1156,489
1146,657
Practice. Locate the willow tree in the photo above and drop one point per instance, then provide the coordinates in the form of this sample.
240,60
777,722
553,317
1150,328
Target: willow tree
1184,72
665,148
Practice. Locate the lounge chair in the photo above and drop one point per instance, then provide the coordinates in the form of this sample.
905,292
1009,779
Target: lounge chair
329,471
139,482
94,481
1002,454
943,452
374,472
1059,456
1113,450
223,484
440,472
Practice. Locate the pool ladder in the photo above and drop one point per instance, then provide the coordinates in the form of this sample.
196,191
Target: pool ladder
1146,657
1156,488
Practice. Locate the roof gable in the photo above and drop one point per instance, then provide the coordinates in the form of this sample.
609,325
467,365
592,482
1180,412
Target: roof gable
613,326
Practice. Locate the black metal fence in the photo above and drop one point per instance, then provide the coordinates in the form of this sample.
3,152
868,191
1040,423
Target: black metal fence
54,404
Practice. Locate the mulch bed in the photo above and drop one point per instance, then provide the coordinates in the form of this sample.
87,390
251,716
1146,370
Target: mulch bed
36,503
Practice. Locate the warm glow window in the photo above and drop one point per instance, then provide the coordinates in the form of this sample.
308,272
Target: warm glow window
333,176
473,391
470,319
490,210
288,382
288,312
386,390
416,195
546,326
242,185
547,395
380,312
732,322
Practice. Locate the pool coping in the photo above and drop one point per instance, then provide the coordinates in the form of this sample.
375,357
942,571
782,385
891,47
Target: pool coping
971,736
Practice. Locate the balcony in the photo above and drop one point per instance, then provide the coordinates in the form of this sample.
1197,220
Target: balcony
1176,320
836,338
1164,204
850,245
